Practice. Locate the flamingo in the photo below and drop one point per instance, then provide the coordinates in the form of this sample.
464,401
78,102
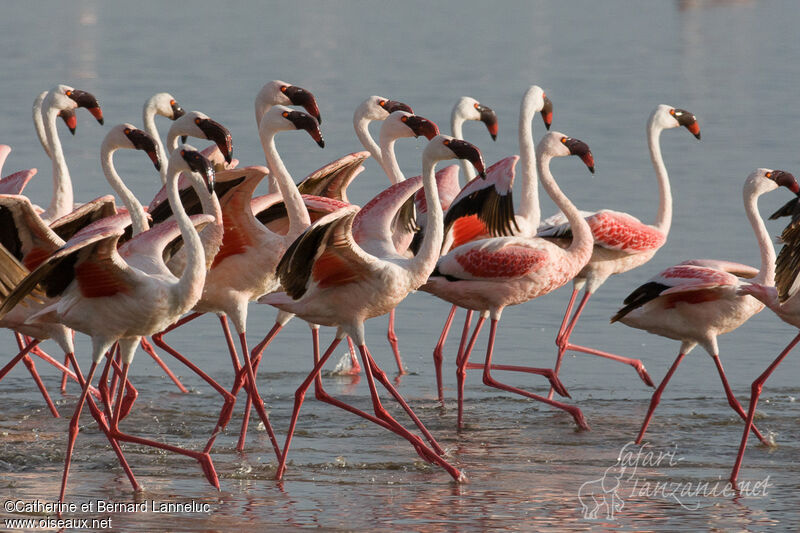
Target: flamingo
489,274
467,214
119,296
16,182
697,300
67,115
163,104
331,280
621,241
782,300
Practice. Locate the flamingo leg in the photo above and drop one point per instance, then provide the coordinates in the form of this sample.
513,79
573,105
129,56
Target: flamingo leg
74,427
66,371
549,373
355,366
438,356
252,390
299,396
734,403
383,414
255,357
462,358
563,345
657,396
576,413
381,376
755,392
102,423
149,350
202,457
31,366
391,336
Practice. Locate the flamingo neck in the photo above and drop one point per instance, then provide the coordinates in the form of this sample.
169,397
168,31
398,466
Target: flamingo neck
766,274
135,209
190,284
664,216
529,209
361,125
149,121
456,123
63,199
422,264
38,122
582,241
261,108
295,208
389,159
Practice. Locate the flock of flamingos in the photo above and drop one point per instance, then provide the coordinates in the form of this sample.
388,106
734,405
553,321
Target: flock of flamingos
207,244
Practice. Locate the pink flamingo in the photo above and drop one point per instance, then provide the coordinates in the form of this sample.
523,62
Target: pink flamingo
466,218
488,275
331,280
120,296
696,301
468,108
782,299
16,182
621,241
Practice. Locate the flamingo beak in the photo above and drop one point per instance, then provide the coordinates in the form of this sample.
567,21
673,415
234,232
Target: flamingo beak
785,179
581,149
303,98
177,111
143,141
393,105
422,126
489,117
69,119
688,120
547,112
470,152
88,101
306,122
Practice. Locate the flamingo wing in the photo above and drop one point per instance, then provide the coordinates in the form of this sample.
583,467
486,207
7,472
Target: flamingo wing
684,282
493,259
378,218
271,210
151,250
331,181
490,199
326,254
68,225
613,230
737,269
787,265
23,233
15,183
446,184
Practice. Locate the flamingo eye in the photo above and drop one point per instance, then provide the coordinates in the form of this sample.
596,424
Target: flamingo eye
172,102
768,174
127,131
404,118
672,112
382,103
197,121
564,140
183,153
476,105
285,114
283,88
447,142
68,93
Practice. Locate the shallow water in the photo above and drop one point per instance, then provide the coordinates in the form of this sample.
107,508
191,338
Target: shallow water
605,66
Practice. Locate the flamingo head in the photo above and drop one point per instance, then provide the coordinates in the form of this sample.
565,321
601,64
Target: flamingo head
279,92
556,144
488,117
139,140
772,179
687,120
421,126
186,157
164,104
403,124
390,106
444,147
285,118
547,111
199,125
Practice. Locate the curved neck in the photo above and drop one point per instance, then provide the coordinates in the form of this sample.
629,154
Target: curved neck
389,159
529,208
766,274
456,122
63,199
664,216
149,121
190,283
582,234
361,125
38,123
422,264
135,209
295,208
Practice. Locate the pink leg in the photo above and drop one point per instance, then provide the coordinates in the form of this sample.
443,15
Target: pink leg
102,422
202,457
383,414
576,413
380,375
437,352
549,373
159,341
462,359
657,397
255,357
226,331
66,371
755,392
564,345
74,426
734,403
252,391
299,395
148,348
392,337
29,364
355,366
64,375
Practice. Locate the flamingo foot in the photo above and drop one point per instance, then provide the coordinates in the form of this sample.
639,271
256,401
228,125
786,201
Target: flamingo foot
548,373
635,363
208,469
